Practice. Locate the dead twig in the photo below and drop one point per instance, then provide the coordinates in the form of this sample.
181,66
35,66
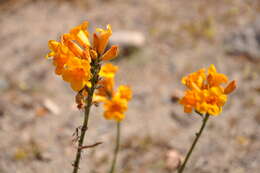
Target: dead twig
90,146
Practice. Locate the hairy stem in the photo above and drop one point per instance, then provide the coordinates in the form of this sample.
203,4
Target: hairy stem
113,165
95,68
205,119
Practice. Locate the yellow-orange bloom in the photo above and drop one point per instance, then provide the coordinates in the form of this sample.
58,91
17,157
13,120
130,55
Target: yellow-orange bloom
115,108
189,100
125,92
106,84
115,102
73,54
108,70
116,105
71,61
214,78
77,72
101,39
205,93
60,54
196,78
106,87
80,34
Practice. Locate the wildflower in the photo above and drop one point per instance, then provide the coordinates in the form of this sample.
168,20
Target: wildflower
205,93
115,102
102,38
125,92
79,63
214,78
81,35
106,84
77,72
72,56
196,78
108,70
117,105
115,108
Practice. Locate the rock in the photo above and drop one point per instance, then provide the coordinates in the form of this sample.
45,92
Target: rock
128,41
173,160
4,85
51,106
245,42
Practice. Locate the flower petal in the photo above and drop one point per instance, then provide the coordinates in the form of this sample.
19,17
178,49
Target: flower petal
77,51
103,38
111,53
80,34
231,87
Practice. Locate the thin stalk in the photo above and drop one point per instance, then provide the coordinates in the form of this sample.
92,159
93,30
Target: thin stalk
95,68
113,165
205,119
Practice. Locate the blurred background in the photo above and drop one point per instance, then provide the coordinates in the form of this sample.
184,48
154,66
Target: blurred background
160,41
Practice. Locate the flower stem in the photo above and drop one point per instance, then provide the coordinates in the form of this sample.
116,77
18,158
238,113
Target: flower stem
116,149
95,68
205,119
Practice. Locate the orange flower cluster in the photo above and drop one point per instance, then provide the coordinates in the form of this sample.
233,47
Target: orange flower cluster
205,93
72,56
115,102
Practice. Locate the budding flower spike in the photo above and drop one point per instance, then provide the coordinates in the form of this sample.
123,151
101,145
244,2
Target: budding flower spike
78,62
115,102
206,96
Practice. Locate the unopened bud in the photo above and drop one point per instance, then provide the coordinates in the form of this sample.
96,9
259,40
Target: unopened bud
231,87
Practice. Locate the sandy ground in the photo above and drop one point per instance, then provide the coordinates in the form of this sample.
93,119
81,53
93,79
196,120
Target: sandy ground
181,37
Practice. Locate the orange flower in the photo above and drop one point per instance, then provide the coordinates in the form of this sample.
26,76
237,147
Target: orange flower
106,84
73,54
115,103
205,93
101,39
196,78
77,72
124,92
115,108
190,100
214,78
60,54
81,35
108,70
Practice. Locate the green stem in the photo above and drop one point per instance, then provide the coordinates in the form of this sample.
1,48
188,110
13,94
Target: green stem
113,165
205,119
95,68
